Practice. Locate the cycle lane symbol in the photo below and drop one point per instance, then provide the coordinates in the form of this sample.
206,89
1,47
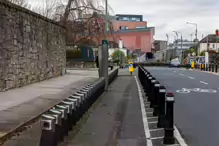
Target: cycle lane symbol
187,90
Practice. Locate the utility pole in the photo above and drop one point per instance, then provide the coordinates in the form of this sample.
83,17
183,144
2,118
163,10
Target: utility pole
105,49
176,42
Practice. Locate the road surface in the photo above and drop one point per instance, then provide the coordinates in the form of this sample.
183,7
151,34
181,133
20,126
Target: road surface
196,110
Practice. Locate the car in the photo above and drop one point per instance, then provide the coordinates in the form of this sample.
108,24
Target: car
174,63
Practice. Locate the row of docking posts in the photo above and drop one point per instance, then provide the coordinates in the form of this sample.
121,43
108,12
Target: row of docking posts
212,67
161,102
60,119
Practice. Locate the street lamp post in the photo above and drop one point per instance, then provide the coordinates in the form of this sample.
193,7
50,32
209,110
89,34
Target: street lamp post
176,42
196,33
105,46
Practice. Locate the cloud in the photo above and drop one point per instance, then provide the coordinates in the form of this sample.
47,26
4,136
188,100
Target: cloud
170,15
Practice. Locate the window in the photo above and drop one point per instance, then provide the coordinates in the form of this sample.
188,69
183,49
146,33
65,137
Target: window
88,53
213,46
125,18
126,27
137,19
133,18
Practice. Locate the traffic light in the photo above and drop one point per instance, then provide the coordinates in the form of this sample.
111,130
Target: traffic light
217,32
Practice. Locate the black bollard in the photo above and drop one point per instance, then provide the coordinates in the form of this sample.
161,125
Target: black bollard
48,135
152,92
162,107
213,66
58,124
148,93
209,67
64,111
169,128
155,101
216,68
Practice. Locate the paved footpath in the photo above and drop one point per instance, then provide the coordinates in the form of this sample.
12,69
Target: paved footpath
120,117
17,106
116,120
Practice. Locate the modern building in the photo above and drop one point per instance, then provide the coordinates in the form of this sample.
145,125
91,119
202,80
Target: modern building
133,31
208,43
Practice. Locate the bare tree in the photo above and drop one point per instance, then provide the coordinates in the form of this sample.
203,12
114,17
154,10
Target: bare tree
22,3
83,19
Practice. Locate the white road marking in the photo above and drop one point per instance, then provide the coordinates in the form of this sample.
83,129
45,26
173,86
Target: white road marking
191,78
152,122
152,117
179,137
144,116
204,82
182,74
156,129
157,137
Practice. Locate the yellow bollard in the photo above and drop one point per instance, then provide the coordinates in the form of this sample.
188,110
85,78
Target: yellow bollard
131,67
193,64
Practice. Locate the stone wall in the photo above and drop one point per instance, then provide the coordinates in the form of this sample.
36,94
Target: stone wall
32,47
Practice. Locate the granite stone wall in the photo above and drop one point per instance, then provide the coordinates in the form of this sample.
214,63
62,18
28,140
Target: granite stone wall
32,47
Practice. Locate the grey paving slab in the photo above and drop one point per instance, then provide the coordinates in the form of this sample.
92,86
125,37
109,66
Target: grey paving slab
35,101
116,120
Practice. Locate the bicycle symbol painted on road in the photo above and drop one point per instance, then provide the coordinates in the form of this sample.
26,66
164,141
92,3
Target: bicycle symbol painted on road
185,90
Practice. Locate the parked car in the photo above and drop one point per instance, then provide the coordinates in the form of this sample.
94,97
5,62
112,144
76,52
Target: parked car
174,63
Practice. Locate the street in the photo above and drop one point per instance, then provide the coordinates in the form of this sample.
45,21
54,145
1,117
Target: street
196,110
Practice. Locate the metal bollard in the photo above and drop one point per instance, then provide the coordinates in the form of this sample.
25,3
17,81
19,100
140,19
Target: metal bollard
209,67
155,101
162,107
152,92
70,106
64,111
148,93
216,67
169,129
48,135
58,125
212,67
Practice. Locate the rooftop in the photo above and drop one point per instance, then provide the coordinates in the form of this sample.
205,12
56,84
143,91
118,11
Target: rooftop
211,38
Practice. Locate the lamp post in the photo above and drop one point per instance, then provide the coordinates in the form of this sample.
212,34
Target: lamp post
196,33
196,29
105,49
176,42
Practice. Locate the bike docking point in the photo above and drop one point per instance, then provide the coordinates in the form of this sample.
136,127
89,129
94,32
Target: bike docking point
48,135
162,107
155,100
74,110
58,124
169,127
148,93
70,106
64,111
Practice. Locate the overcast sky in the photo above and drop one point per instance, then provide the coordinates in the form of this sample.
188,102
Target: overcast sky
169,15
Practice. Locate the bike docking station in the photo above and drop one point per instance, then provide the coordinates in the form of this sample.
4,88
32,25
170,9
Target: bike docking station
159,106
61,118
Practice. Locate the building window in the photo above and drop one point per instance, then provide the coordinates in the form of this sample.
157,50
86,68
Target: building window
125,18
137,19
126,27
88,53
213,46
122,27
133,19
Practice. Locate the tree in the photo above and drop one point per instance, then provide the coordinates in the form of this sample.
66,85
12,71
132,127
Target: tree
118,56
22,3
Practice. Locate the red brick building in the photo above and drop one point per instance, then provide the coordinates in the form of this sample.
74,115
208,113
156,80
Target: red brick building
133,31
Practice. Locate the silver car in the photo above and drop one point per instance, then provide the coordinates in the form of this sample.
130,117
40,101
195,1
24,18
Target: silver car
174,63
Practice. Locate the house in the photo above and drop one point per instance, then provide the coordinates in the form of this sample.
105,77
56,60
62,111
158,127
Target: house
209,42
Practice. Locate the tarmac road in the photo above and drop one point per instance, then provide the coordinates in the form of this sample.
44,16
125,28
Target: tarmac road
196,113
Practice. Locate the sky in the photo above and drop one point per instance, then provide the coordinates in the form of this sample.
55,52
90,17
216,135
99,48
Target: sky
171,15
